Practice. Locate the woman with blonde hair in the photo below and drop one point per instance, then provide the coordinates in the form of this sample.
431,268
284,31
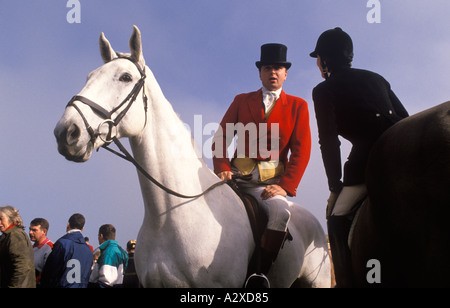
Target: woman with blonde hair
16,251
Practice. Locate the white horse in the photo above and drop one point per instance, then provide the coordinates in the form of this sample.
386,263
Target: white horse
198,242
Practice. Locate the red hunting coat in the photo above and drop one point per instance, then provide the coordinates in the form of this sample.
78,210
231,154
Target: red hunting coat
292,116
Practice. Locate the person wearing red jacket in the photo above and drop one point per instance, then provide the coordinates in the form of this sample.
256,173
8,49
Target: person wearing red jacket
42,246
273,146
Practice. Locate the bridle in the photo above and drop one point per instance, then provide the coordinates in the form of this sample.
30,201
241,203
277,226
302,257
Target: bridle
112,123
107,115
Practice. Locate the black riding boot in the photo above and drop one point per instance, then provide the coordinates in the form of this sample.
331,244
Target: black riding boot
338,231
271,243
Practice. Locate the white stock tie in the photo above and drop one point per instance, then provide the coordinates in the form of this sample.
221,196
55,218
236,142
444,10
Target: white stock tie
269,100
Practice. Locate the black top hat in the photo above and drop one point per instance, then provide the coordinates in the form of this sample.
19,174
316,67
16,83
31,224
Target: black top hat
273,54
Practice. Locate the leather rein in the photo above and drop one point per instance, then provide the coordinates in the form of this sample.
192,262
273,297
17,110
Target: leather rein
110,137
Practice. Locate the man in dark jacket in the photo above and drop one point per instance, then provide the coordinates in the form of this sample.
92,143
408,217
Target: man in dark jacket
358,105
16,251
69,264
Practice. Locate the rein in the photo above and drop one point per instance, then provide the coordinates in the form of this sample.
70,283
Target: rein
127,156
107,115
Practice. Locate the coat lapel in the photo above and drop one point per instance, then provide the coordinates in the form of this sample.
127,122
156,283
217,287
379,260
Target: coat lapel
277,113
255,106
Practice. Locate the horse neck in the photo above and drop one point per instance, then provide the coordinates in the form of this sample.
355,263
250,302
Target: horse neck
165,150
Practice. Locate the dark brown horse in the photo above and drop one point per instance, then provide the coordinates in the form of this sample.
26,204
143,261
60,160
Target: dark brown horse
402,236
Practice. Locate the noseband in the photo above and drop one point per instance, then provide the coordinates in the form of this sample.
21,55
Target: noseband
107,115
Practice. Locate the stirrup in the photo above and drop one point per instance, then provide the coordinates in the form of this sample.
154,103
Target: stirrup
257,281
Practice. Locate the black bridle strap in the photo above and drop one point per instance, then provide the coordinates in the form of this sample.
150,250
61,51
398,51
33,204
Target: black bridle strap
96,107
107,115
131,97
86,123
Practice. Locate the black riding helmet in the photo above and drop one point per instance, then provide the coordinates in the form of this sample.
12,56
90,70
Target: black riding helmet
334,44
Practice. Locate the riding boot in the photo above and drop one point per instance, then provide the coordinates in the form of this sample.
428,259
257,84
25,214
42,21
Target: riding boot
271,243
338,232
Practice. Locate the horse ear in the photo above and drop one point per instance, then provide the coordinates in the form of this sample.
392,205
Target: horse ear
106,50
136,46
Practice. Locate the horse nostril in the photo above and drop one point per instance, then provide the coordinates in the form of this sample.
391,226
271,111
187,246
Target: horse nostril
73,134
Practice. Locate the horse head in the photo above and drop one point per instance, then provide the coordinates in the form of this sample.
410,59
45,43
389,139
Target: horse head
112,104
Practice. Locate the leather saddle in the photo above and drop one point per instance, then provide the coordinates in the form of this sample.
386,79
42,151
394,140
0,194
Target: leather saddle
256,214
258,221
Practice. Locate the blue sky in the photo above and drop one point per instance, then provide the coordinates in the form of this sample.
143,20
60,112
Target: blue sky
202,53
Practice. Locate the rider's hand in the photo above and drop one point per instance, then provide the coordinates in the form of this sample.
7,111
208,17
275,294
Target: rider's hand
272,191
225,175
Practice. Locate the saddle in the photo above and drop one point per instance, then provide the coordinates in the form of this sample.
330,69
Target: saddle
256,215
258,221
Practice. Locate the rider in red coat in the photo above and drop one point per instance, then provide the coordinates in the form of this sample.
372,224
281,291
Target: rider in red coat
273,147
290,114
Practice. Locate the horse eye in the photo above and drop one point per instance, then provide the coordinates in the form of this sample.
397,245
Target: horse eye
125,78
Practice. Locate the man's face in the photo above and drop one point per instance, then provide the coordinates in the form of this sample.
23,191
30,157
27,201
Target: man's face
4,223
273,76
101,240
37,234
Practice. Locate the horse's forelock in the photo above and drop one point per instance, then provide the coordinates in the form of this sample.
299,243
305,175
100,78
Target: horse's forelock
124,55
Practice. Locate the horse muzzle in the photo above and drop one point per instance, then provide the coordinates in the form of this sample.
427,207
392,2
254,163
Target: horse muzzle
72,144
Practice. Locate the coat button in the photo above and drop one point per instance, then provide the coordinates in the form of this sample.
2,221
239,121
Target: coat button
378,115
